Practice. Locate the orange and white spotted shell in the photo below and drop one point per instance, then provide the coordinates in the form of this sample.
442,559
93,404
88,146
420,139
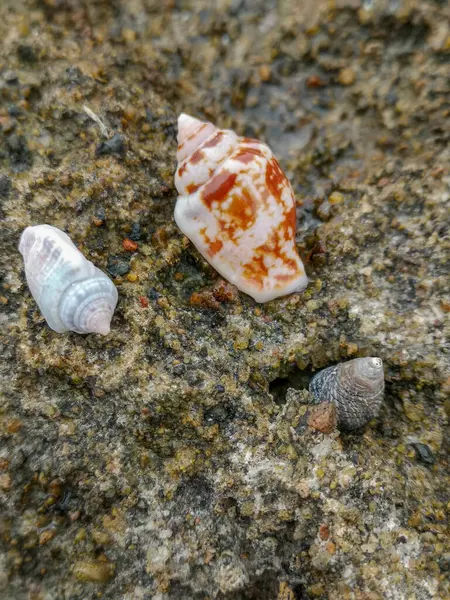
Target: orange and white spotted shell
238,208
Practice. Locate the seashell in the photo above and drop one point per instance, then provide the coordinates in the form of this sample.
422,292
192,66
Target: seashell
238,208
72,293
355,387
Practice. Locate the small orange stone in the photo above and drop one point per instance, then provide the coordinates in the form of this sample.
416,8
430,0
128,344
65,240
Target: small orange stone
264,72
347,76
314,81
383,182
323,417
331,547
46,536
352,349
324,532
212,297
144,301
129,113
224,291
204,299
128,35
14,426
5,482
437,172
129,245
445,305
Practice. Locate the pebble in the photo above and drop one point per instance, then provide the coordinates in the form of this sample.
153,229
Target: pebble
10,77
97,222
5,482
314,81
46,536
423,453
14,425
117,266
264,72
152,294
129,245
8,125
415,520
324,212
336,198
101,538
135,233
99,219
93,570
128,35
115,145
347,76
324,532
323,417
412,411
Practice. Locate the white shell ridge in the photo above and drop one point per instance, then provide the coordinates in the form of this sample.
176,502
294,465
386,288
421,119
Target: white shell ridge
238,208
71,292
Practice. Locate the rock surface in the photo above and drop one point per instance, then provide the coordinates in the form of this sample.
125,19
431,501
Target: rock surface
177,458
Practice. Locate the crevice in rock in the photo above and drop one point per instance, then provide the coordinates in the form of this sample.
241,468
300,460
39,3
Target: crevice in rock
268,586
296,379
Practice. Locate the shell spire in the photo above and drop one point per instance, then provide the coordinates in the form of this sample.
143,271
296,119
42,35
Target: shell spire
191,133
355,387
238,208
72,293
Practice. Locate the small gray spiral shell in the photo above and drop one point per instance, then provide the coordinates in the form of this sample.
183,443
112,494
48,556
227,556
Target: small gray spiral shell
72,293
356,388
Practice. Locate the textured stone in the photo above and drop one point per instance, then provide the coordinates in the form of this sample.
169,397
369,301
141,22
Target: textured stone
175,438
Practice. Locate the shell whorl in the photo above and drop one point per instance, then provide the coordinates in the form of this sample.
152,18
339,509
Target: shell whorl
356,388
72,293
238,208
191,133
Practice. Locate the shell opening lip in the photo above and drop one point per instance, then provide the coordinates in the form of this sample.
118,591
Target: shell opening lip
302,286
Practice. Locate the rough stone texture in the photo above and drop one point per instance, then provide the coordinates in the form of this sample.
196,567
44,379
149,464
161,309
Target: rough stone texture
167,461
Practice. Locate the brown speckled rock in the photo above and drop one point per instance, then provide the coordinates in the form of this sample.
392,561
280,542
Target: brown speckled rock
169,460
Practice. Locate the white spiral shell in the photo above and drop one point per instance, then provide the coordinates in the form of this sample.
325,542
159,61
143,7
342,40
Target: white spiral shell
238,208
72,293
